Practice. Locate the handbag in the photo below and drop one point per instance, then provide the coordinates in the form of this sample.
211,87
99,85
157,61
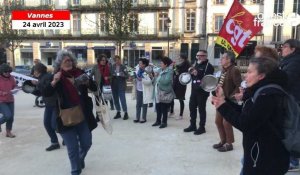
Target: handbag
71,116
165,97
103,114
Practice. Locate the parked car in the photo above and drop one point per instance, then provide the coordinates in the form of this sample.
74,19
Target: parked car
23,69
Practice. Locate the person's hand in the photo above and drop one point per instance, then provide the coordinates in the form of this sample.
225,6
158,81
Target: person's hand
34,82
219,99
239,96
195,72
56,78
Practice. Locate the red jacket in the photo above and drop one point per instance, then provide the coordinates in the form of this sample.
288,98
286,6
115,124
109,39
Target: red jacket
6,85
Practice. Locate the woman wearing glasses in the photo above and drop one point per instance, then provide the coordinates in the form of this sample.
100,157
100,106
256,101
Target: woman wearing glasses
7,84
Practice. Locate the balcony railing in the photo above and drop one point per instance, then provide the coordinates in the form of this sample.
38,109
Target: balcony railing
139,5
91,34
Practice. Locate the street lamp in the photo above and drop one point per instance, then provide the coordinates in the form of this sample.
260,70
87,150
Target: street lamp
168,33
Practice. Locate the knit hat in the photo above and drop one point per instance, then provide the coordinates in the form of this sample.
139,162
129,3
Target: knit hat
5,68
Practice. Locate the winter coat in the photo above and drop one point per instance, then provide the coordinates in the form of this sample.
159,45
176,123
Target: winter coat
232,81
261,123
6,85
147,88
291,65
118,82
85,101
180,89
203,68
44,80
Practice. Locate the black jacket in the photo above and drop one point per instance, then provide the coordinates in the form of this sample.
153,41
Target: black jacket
180,89
261,125
204,68
291,65
85,100
44,80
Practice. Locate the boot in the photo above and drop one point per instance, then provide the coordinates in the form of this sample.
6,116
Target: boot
190,128
9,134
118,115
200,130
125,116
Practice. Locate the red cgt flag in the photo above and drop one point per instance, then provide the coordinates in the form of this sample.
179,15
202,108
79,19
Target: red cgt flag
238,28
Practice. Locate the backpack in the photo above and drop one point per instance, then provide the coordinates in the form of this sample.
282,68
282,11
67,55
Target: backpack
291,126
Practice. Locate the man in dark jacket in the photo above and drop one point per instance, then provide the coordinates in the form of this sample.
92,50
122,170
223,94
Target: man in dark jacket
290,64
198,96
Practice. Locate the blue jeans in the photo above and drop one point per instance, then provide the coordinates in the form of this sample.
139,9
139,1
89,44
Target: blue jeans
78,140
294,161
119,95
7,109
50,115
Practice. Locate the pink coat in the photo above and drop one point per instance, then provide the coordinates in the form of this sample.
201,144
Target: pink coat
6,85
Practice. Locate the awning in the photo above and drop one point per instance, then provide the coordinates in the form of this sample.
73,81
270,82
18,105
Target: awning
76,47
104,48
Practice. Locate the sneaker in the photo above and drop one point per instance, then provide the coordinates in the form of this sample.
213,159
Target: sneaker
136,121
199,131
53,147
226,147
125,116
293,168
118,115
190,129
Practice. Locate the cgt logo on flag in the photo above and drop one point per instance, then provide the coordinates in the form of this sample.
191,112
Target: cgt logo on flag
238,28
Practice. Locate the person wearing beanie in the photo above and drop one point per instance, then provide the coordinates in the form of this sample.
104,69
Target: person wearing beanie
7,84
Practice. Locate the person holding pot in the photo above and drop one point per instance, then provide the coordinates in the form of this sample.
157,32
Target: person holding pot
71,86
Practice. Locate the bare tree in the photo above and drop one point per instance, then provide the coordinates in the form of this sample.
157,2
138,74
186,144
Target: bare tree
9,38
120,21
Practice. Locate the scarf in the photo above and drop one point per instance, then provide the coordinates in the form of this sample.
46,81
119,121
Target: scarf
68,87
104,71
140,73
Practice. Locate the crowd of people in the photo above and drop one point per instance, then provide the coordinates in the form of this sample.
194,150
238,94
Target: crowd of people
67,88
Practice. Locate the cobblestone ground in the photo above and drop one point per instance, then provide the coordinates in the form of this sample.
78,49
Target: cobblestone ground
132,149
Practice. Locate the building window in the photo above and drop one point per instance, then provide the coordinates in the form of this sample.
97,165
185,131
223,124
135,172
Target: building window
46,2
296,32
190,20
277,30
76,22
242,1
103,22
218,23
163,22
219,1
76,2
278,6
256,1
296,6
134,21
163,1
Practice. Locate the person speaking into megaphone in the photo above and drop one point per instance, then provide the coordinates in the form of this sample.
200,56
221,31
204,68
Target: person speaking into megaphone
198,96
